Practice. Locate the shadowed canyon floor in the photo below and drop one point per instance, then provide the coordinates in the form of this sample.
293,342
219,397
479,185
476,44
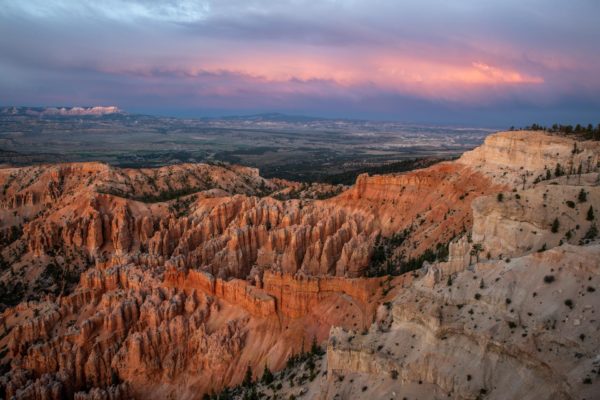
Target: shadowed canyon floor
170,282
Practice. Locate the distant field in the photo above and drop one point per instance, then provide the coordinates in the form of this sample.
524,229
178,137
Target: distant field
302,149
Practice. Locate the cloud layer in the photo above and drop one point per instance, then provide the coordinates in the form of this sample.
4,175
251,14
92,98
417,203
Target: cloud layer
427,60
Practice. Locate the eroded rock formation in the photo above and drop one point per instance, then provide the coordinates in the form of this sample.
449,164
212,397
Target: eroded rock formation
122,283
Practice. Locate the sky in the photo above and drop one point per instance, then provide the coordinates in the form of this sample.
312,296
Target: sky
479,62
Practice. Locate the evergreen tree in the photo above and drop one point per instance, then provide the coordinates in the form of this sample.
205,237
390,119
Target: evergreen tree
592,233
590,214
582,197
251,394
267,376
114,378
315,348
555,225
248,377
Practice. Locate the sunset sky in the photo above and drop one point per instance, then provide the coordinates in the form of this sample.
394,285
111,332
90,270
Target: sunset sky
477,62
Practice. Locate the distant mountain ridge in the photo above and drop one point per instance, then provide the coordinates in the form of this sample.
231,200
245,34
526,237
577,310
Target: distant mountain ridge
61,111
276,117
77,111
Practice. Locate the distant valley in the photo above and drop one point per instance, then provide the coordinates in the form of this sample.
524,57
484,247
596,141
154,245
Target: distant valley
299,148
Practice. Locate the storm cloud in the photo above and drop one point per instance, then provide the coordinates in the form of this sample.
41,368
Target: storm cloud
491,62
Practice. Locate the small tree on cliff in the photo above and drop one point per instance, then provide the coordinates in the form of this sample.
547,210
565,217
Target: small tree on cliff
114,378
248,377
555,225
315,348
475,250
592,233
251,394
267,376
590,214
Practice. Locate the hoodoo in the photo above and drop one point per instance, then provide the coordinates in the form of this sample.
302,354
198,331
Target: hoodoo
164,282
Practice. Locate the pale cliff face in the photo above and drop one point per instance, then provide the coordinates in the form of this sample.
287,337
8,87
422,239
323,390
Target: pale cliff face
512,337
510,156
522,222
512,314
169,282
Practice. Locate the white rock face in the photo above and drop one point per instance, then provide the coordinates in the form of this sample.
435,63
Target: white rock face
522,222
508,156
498,330
77,111
64,111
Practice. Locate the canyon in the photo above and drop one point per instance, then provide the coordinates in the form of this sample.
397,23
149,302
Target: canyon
472,278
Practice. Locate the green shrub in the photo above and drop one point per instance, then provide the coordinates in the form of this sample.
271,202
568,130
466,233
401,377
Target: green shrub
267,376
247,377
555,225
592,233
559,171
569,303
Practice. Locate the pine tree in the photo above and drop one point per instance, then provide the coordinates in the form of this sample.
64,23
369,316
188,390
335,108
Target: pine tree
267,376
555,225
248,377
592,233
315,348
582,197
590,214
251,394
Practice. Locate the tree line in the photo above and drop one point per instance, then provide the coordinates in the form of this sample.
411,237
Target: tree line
587,131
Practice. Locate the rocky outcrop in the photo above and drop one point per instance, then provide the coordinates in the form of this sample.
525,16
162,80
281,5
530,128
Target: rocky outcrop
510,314
127,324
432,204
500,330
519,158
523,221
279,293
166,282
